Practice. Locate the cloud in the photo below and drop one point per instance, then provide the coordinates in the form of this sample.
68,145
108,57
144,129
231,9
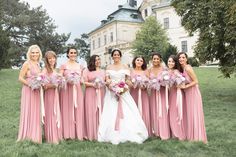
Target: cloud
77,16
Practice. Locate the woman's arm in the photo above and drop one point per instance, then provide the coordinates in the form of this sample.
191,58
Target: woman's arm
23,73
192,75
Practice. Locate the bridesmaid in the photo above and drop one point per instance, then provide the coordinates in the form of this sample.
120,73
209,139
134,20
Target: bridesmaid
176,107
139,70
195,117
93,96
159,113
72,99
52,125
30,121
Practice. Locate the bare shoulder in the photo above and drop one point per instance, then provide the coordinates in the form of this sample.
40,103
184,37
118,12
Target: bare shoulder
188,68
25,65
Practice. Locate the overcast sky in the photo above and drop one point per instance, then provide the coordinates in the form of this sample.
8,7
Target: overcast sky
78,16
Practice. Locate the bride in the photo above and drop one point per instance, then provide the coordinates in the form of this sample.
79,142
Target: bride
120,120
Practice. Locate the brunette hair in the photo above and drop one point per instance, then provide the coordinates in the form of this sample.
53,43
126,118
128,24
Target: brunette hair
157,54
114,50
91,63
178,65
174,59
144,66
68,50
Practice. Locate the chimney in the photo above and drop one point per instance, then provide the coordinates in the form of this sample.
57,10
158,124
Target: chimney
133,3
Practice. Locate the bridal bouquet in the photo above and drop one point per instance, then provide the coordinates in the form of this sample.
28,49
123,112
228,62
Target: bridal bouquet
119,88
73,78
37,81
58,81
98,82
140,82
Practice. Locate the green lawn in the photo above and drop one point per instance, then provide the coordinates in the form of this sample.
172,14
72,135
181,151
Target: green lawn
219,99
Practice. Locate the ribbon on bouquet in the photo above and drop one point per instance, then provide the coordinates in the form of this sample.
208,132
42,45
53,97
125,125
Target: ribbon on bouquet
159,104
99,104
140,101
179,104
56,108
120,114
42,104
74,95
167,101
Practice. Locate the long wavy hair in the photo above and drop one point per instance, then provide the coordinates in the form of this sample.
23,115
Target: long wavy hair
49,54
91,63
179,67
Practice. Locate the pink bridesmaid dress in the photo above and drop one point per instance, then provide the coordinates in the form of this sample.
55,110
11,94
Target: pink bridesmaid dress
30,119
72,108
176,112
52,120
145,113
93,103
159,114
195,117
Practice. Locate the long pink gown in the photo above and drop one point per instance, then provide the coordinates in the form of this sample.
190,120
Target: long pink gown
52,121
195,117
72,108
177,112
93,103
30,119
145,113
159,118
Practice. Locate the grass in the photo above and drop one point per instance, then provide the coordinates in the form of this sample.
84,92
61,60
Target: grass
219,99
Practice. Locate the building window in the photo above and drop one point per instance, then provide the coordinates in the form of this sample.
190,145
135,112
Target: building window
105,39
166,23
145,13
93,44
184,46
111,39
99,42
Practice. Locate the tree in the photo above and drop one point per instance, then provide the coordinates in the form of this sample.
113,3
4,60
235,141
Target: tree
215,21
25,27
171,50
4,46
83,46
151,37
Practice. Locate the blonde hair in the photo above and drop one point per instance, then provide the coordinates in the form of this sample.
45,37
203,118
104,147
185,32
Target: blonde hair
47,65
30,50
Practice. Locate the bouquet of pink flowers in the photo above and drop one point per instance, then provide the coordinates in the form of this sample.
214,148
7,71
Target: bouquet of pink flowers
59,81
37,81
165,79
99,82
179,79
119,88
154,84
140,82
73,78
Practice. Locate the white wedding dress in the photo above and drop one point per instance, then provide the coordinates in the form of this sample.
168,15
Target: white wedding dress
131,126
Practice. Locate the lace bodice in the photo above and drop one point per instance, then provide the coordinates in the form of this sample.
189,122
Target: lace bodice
117,75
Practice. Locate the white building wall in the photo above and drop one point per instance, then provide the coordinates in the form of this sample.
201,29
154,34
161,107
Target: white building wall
176,33
123,34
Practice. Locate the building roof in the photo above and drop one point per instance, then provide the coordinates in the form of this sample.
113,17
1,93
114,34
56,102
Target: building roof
124,13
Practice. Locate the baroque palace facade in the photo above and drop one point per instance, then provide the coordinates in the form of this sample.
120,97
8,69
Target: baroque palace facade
119,29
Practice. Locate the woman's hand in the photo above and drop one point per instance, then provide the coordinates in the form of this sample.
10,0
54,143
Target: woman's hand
48,86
